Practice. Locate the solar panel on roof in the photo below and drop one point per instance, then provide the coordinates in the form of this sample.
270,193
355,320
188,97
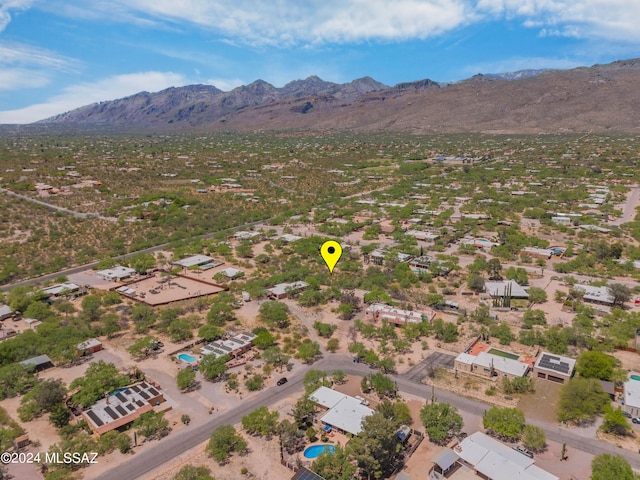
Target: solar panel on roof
91,414
135,388
305,474
121,410
153,391
139,403
121,397
144,395
144,385
130,407
111,413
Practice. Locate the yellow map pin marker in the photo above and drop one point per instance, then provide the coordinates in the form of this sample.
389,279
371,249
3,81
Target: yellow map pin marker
331,252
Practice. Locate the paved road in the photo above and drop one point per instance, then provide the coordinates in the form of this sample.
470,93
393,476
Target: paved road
176,444
55,207
629,210
81,268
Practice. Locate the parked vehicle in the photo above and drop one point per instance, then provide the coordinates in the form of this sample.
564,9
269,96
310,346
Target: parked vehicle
282,381
523,451
635,419
627,414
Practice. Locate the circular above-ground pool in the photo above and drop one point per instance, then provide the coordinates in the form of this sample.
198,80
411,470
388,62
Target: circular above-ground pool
315,450
635,377
185,357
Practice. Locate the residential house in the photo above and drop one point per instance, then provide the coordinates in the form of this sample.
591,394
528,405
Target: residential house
534,252
116,274
505,288
343,412
598,295
493,460
121,407
397,316
233,346
282,290
554,368
632,396
489,365
5,312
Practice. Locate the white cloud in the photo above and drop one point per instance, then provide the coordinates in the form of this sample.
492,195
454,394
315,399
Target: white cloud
6,6
286,22
12,53
82,94
18,78
614,20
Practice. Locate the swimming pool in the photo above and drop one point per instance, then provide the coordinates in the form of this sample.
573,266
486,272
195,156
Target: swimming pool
634,377
315,450
500,353
185,357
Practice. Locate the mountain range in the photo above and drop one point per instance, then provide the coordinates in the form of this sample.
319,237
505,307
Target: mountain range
603,98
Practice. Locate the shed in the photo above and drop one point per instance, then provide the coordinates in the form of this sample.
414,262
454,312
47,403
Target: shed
90,346
5,312
41,362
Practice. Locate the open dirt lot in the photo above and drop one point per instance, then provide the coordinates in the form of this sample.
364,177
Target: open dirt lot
159,290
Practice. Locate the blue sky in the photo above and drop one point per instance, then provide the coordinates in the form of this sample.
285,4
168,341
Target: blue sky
56,55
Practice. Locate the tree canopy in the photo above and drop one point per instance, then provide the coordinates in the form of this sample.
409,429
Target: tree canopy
441,422
506,423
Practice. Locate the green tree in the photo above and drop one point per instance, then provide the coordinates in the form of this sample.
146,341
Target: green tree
534,438
536,295
276,357
581,399
375,448
60,415
185,378
143,347
534,317
308,351
152,425
264,340
475,282
324,329
99,378
615,422
611,467
210,332
261,422
506,423
189,472
214,368
291,437
275,313
142,262
223,442
91,307
494,269
595,364
303,411
335,466
620,293
441,421
333,345
253,383
381,384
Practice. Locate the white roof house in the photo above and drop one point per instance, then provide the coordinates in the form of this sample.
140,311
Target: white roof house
632,393
116,273
345,412
499,289
347,415
60,288
283,289
466,358
5,311
595,294
501,364
326,397
496,461
193,261
231,272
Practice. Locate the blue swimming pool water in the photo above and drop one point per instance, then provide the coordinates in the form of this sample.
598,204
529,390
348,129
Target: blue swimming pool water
635,377
185,357
315,450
